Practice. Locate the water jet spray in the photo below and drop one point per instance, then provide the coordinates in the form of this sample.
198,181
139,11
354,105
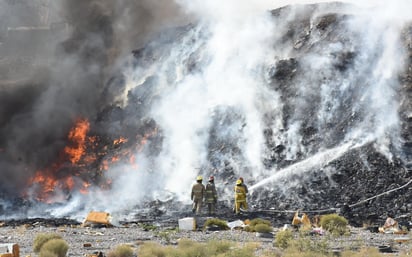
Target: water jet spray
316,161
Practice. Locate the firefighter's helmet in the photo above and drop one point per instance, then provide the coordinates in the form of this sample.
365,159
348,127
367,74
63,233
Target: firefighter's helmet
211,178
199,178
239,182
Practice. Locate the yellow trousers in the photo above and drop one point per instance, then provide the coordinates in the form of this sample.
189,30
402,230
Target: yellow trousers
240,204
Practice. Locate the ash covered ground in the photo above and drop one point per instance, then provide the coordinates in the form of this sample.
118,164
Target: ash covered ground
333,133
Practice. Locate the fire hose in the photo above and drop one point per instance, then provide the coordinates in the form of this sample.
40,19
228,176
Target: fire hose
384,193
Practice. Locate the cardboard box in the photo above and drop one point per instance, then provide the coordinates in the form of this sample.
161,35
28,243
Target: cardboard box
102,218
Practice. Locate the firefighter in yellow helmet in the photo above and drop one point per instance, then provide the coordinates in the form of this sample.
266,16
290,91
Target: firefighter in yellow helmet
211,196
240,197
198,192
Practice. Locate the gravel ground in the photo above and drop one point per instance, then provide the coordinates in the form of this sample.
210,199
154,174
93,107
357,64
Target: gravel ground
86,240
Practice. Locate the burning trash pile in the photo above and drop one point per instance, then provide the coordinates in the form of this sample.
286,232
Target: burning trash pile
301,107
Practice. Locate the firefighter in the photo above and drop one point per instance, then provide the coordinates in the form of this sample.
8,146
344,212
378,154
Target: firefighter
198,192
211,196
240,197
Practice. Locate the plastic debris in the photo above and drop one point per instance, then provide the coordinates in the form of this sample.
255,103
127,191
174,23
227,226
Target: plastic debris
236,224
303,221
390,226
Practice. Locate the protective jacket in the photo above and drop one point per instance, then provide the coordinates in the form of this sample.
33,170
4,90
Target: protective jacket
240,194
210,193
198,191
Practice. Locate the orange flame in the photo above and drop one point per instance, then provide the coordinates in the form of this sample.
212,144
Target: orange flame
77,137
81,151
49,184
48,180
121,140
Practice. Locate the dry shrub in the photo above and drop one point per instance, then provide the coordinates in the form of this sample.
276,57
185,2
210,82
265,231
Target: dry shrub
263,228
188,248
364,252
272,253
303,254
240,252
283,238
47,254
121,251
367,251
185,243
198,250
41,239
219,246
252,246
335,224
56,246
151,249
253,223
256,221
309,245
222,224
